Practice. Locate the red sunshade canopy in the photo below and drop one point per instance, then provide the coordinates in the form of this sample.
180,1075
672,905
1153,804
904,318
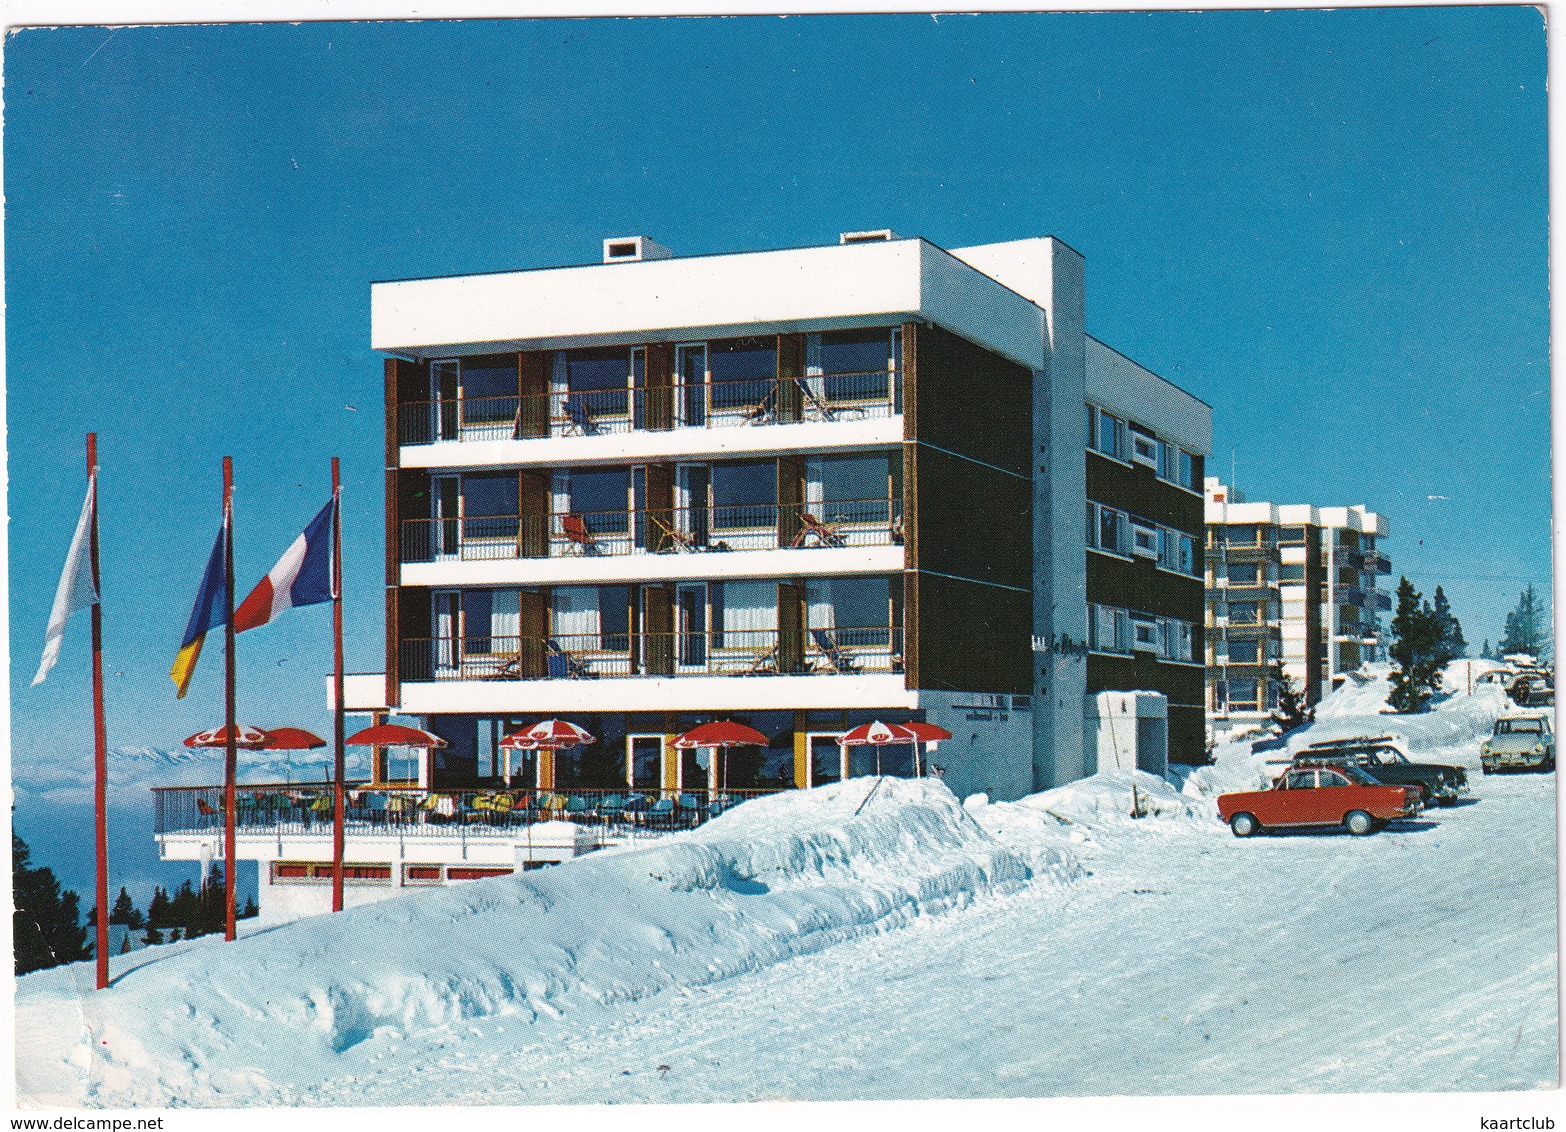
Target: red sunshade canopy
927,732
721,734
554,734
291,739
394,735
250,738
878,734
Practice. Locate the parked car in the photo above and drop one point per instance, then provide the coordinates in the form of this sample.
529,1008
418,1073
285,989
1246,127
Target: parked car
1385,758
1319,796
1521,740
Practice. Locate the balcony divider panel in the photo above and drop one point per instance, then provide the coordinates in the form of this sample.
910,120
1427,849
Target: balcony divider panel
791,369
532,392
791,498
533,493
791,627
659,394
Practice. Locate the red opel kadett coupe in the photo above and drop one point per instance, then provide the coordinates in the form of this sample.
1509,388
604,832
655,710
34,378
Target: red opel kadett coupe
1342,796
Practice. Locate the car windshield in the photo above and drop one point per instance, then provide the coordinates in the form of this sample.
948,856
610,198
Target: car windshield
1519,727
1387,756
1357,776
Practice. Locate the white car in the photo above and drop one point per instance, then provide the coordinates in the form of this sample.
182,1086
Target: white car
1522,740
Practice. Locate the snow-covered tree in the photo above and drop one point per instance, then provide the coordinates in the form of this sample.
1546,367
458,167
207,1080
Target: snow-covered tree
1292,710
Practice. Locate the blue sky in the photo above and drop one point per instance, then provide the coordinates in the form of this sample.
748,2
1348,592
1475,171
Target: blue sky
1331,226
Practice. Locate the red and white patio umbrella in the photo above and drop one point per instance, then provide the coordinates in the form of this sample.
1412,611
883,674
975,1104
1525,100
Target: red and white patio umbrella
247,738
398,735
291,739
550,735
720,735
880,735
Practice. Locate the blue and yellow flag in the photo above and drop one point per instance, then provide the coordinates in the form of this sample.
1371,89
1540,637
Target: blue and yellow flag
211,610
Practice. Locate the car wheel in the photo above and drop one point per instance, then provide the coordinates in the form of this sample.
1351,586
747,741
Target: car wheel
1548,764
1447,800
1245,825
1359,823
1486,770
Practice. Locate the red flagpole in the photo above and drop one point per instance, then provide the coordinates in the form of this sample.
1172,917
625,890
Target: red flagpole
339,728
100,736
231,748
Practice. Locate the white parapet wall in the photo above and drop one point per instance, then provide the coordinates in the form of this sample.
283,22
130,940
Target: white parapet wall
991,748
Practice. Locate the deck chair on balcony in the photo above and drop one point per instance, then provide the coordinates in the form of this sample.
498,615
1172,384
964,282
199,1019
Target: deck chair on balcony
825,534
580,538
828,413
671,535
577,417
764,665
836,657
767,410
563,665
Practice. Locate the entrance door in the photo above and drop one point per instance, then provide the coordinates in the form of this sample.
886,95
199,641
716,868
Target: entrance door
826,758
446,628
690,363
446,503
644,762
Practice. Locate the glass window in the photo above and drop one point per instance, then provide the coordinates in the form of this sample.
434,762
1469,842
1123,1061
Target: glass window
854,488
1244,573
1291,536
746,613
601,368
614,617
489,494
1111,433
1292,572
1244,652
744,494
1242,693
602,496
1244,613
743,370
1188,471
853,603
1144,449
489,388
1109,523
855,362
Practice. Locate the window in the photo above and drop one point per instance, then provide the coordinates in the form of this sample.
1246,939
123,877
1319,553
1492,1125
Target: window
744,494
1110,530
744,614
1106,433
489,388
1177,551
1291,536
602,497
1292,572
743,371
1146,635
1144,449
1188,477
1244,573
851,365
1144,540
1179,640
1109,628
853,489
1243,693
1244,652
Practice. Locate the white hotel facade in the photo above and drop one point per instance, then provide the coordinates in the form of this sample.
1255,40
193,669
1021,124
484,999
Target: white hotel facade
800,489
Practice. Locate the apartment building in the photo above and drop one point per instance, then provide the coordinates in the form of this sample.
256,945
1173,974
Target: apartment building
1289,586
801,490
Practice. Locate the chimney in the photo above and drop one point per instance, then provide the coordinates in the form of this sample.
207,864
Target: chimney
633,249
880,235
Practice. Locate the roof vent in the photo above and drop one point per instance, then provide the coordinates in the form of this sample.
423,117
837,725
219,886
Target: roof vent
633,249
880,235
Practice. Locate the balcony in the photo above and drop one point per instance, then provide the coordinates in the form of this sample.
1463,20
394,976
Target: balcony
595,656
609,534
1348,595
609,412
1242,552
305,809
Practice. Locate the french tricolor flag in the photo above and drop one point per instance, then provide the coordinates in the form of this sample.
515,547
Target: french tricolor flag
303,576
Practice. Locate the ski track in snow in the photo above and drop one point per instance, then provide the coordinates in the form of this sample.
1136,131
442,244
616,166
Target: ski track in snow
798,950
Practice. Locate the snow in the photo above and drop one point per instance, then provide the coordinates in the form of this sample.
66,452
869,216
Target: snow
880,940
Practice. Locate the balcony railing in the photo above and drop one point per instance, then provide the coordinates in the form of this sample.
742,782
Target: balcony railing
306,808
610,655
848,523
601,412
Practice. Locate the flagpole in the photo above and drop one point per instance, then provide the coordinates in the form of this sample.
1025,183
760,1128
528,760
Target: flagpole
100,739
339,727
230,747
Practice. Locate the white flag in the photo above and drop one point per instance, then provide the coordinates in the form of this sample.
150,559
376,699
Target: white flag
76,590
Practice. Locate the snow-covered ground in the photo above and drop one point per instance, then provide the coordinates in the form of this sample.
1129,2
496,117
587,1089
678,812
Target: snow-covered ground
883,941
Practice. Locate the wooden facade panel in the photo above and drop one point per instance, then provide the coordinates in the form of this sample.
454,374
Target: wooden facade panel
1140,585
533,390
969,637
971,520
1138,490
967,399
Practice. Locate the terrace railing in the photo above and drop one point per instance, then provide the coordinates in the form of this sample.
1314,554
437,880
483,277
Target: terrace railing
618,655
597,412
306,808
837,523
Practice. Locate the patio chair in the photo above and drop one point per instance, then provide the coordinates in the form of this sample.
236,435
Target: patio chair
579,538
577,417
661,813
563,665
764,665
836,657
206,810
765,411
828,413
825,534
669,534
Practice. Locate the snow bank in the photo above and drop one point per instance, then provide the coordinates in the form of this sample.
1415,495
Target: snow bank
217,1023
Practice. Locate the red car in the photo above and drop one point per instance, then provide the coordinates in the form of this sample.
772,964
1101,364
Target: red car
1342,796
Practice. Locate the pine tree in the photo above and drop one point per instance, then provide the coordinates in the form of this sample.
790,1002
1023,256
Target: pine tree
250,909
1526,630
1416,643
125,911
158,913
185,910
1453,645
1292,711
46,922
1486,654
153,936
